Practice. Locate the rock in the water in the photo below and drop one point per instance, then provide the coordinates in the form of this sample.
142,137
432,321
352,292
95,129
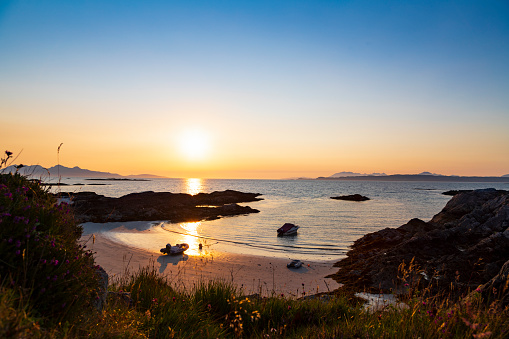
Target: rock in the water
353,197
464,246
89,206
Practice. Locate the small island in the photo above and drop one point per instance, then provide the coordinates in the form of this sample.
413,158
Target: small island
454,192
353,197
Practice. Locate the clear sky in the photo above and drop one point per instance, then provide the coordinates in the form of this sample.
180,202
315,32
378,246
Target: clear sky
257,89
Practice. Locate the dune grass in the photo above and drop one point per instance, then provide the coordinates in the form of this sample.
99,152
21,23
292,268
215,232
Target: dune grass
49,284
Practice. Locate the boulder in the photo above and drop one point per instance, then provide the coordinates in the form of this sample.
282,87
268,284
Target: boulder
498,287
102,291
463,246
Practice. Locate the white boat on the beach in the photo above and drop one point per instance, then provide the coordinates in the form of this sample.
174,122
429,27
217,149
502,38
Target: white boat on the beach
294,264
172,250
287,229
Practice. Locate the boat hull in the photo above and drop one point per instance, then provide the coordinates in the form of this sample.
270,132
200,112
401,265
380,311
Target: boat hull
294,264
287,229
174,250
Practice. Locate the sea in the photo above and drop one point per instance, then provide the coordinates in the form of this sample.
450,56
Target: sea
327,227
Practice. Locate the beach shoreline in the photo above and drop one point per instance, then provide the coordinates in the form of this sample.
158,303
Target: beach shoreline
251,274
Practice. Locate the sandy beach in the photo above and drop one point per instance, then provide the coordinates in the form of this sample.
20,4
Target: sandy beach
252,274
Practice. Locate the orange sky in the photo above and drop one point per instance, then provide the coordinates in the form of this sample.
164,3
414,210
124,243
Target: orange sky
266,90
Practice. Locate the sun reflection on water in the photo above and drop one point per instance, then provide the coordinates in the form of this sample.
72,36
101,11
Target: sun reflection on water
191,238
193,186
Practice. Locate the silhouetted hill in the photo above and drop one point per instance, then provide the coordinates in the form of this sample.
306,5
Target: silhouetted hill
420,177
37,171
352,174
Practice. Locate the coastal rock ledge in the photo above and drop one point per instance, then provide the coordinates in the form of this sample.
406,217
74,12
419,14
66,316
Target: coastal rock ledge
149,206
464,246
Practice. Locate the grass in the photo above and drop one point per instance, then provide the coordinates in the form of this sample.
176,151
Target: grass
40,252
215,309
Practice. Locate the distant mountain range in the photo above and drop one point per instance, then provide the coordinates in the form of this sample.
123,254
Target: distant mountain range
352,174
424,176
37,171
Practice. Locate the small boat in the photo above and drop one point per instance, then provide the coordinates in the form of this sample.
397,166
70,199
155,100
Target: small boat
172,250
287,229
294,264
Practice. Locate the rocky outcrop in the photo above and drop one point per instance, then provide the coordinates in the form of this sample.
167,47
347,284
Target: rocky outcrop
89,206
498,287
463,246
102,291
353,197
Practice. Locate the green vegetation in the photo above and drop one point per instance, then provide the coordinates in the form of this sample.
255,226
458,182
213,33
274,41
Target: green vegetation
49,284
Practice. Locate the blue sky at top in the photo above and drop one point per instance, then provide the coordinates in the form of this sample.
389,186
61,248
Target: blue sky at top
277,65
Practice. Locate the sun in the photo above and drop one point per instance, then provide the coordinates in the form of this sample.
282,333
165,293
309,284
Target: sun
194,144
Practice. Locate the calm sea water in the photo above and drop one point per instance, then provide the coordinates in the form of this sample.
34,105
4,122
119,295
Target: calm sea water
328,227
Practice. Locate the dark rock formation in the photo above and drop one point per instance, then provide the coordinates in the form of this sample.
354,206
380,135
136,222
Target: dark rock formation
463,246
498,287
89,206
102,292
353,197
454,192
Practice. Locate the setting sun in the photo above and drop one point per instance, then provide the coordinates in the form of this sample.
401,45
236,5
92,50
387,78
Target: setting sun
194,144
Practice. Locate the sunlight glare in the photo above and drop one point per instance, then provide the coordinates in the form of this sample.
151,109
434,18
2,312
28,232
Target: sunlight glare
194,144
191,228
193,186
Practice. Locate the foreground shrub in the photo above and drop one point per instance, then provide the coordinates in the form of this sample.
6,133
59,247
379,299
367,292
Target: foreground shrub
41,259
14,319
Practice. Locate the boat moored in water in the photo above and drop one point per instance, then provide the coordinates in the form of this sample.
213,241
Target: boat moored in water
287,229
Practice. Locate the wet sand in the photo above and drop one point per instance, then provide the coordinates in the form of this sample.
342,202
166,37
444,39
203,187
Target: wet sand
252,274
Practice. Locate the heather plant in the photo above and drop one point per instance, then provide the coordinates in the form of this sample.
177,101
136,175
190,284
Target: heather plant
42,261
